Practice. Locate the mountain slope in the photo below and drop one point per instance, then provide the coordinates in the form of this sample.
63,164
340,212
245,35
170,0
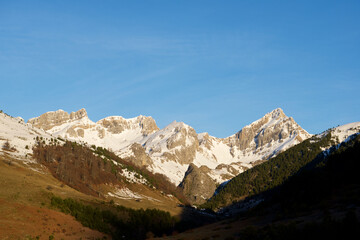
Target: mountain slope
17,137
320,202
277,170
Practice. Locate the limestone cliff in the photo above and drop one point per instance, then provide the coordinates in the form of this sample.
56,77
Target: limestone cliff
50,120
117,125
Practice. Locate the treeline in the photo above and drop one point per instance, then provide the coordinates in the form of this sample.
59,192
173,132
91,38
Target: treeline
83,168
120,222
270,174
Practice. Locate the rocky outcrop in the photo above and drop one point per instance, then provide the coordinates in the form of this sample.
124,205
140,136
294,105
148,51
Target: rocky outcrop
197,186
179,143
78,114
140,158
50,120
117,124
148,125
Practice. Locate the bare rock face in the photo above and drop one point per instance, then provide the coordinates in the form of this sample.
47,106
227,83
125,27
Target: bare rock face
148,125
197,186
140,158
274,126
204,140
186,143
178,143
114,124
117,125
78,114
49,120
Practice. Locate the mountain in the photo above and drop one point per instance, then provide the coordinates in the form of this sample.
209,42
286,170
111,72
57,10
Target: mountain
277,170
321,201
170,150
89,169
101,190
39,163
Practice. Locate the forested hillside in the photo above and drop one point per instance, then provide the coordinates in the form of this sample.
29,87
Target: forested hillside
335,179
270,174
84,168
329,189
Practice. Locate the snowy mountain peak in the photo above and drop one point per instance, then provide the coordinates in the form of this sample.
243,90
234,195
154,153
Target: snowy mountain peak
275,126
269,118
276,113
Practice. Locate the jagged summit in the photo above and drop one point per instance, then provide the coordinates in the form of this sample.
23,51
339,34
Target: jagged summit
273,115
275,127
277,112
52,119
78,114
118,124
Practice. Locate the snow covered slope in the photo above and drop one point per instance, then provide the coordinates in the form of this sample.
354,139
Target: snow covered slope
170,150
17,137
342,133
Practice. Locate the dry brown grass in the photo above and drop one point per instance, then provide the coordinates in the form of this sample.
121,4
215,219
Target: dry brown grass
20,221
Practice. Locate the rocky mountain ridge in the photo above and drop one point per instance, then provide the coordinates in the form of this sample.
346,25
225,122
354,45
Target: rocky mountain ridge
170,150
176,151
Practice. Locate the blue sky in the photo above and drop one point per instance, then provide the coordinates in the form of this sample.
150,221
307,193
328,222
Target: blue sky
215,65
